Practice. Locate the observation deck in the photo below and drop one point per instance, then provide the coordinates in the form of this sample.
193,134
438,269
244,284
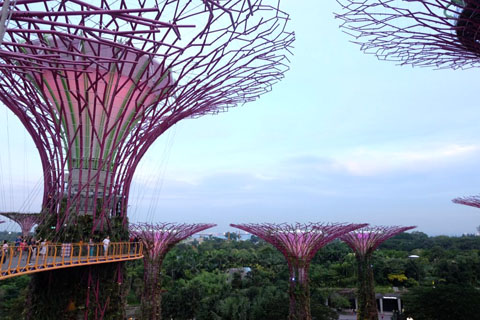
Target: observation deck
31,259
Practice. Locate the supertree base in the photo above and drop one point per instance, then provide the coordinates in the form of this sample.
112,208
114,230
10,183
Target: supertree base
366,289
299,301
92,292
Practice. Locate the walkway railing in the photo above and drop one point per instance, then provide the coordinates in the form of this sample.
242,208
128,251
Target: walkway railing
16,261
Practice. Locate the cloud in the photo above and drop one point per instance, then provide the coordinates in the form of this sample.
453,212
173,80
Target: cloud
373,161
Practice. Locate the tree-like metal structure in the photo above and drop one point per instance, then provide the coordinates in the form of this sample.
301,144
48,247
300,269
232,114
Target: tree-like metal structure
95,83
298,243
439,33
26,221
158,239
472,201
363,242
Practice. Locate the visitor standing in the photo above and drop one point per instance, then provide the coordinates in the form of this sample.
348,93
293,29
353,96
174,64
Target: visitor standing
22,248
5,249
17,245
43,249
106,243
91,247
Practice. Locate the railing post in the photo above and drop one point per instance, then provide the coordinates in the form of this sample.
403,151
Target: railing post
35,266
4,256
54,261
71,252
11,249
79,252
29,256
19,259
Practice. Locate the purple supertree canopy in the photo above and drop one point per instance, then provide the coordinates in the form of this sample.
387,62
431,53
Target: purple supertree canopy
365,240
26,221
158,238
95,83
439,33
472,201
298,242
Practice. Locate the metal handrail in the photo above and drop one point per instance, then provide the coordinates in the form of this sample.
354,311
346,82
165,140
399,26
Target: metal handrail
16,260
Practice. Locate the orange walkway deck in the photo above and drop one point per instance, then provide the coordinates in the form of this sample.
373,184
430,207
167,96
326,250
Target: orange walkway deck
16,262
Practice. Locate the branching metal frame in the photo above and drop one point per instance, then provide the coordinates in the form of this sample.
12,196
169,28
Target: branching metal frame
438,33
298,243
472,201
95,83
26,221
363,242
157,240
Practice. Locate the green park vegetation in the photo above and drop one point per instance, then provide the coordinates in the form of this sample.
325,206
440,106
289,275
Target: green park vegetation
199,279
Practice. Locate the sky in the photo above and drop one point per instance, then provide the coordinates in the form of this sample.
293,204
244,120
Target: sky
343,138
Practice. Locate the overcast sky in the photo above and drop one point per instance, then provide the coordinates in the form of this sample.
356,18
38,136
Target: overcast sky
343,138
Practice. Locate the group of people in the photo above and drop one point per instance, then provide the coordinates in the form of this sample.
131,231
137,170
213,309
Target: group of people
24,247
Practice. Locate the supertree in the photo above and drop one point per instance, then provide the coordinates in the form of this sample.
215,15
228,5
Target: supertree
363,242
95,83
298,243
158,239
439,33
472,201
26,221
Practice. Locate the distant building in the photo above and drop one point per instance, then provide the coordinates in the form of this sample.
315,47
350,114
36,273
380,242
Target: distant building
242,271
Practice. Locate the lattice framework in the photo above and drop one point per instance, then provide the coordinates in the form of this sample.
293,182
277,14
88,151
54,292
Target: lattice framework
159,238
95,83
365,240
438,33
472,201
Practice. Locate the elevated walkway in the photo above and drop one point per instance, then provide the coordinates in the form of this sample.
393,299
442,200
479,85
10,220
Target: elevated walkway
31,259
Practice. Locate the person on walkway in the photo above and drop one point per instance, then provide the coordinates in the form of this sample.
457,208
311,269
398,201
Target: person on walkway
22,248
91,247
17,245
35,251
4,250
106,243
32,250
43,249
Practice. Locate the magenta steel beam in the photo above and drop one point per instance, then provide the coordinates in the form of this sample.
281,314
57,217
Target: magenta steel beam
96,83
363,242
438,33
472,201
26,221
298,243
157,240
